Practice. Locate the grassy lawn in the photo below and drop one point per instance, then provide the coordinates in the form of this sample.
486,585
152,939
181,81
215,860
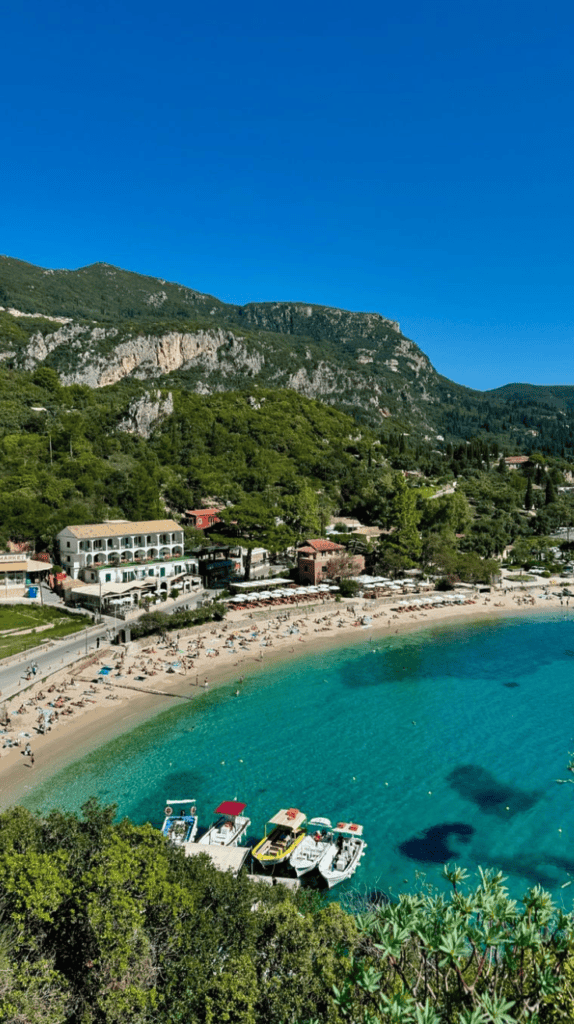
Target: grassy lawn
20,616
522,577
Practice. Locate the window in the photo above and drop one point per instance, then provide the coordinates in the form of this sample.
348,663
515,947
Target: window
68,544
108,577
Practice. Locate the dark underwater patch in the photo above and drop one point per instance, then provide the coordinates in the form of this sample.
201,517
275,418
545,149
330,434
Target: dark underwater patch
511,686
488,794
432,846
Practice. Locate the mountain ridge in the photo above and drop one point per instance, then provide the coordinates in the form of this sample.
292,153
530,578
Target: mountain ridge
120,324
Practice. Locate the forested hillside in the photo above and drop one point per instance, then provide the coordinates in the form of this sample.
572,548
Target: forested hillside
100,325
66,453
132,398
280,463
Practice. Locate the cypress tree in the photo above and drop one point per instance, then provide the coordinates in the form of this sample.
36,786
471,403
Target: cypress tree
528,495
551,495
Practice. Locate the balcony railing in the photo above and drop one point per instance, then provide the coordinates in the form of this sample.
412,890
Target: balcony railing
159,560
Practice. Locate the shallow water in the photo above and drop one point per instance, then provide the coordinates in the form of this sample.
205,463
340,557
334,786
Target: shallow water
445,744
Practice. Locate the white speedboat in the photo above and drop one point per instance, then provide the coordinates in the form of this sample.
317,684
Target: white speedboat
180,827
311,849
230,828
343,855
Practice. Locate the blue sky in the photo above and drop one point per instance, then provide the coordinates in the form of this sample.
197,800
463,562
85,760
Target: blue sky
413,161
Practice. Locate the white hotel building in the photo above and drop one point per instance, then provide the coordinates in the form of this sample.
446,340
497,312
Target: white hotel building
123,552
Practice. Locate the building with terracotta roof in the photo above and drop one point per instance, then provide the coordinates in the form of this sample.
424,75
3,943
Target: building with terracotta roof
517,461
202,518
313,558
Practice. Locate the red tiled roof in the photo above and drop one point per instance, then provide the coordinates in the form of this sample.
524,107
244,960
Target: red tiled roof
202,512
305,551
518,459
325,545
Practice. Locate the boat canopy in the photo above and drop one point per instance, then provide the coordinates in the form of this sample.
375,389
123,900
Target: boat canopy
169,802
316,822
349,827
231,807
291,818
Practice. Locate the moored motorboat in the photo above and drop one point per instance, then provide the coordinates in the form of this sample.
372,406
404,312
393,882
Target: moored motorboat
343,855
180,828
287,831
230,828
311,849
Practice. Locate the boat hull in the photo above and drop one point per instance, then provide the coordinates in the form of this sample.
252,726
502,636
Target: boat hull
307,855
226,833
272,850
180,830
338,864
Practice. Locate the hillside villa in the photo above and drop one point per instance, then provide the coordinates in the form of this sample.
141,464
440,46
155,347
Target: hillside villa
313,558
202,518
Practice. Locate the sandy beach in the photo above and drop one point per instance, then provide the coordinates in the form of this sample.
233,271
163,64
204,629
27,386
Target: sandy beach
82,706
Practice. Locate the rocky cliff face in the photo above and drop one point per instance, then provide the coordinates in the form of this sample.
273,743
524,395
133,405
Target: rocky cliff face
77,353
152,330
145,412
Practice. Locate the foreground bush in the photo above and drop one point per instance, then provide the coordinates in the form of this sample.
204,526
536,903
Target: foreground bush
474,957
105,923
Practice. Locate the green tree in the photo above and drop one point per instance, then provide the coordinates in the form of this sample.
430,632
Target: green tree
551,494
301,512
404,517
253,522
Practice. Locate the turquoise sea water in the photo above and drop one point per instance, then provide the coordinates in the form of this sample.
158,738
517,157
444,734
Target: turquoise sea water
445,744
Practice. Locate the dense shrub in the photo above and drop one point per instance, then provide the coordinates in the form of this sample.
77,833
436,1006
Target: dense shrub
183,618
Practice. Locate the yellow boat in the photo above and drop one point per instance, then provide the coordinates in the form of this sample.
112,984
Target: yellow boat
287,831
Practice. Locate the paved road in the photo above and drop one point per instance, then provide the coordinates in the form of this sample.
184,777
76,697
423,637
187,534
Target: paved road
60,653
68,650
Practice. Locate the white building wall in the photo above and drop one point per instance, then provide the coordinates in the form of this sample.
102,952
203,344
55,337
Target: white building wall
76,554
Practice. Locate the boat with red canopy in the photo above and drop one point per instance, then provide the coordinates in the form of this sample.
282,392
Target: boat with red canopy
229,828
